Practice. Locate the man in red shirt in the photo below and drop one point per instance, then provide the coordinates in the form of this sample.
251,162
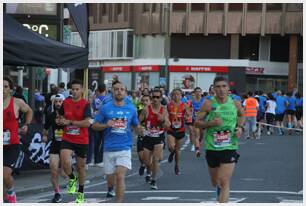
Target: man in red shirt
11,143
75,117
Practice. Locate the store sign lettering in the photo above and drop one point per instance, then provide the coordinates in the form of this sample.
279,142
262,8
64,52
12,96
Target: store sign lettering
200,69
41,29
254,70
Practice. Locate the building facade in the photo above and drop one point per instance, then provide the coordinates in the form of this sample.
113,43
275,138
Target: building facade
257,46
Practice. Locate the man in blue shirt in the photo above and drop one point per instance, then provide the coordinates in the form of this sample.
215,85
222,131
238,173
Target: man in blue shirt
115,119
281,104
290,110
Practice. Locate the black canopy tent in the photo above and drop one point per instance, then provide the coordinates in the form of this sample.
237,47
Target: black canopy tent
23,47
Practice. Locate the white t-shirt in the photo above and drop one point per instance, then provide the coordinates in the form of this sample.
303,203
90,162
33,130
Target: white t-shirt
271,106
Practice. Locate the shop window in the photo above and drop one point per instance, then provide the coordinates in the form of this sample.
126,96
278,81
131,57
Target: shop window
294,7
235,7
254,7
249,47
274,7
279,51
216,7
197,7
179,7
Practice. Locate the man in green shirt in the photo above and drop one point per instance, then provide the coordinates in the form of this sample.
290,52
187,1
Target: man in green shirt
223,119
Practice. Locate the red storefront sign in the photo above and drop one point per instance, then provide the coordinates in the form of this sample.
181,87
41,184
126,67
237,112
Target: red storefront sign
146,68
216,69
254,70
116,69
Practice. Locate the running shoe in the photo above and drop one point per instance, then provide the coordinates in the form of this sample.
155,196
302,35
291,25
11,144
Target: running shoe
176,170
80,198
101,164
170,158
110,194
57,198
153,185
198,153
148,178
141,170
192,148
72,186
11,198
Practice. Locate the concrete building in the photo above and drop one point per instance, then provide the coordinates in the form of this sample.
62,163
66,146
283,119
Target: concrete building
257,46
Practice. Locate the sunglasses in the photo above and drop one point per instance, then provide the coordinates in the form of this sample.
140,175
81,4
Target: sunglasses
155,97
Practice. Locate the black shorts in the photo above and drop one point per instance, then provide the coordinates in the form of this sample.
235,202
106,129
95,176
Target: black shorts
79,149
215,158
299,113
55,147
290,112
140,143
279,117
260,116
150,142
176,135
10,155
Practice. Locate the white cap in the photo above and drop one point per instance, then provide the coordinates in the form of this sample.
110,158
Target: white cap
57,96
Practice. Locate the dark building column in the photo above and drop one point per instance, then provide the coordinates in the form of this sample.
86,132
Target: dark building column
292,62
234,53
237,79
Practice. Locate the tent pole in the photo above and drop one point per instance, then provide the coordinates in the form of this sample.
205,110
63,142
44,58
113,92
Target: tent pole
85,82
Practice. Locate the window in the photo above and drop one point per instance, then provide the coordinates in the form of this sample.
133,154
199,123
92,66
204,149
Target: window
146,7
254,7
235,7
216,7
274,7
197,7
294,7
35,8
300,49
249,47
279,48
179,7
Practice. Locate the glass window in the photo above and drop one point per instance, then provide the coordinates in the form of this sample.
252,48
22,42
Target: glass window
119,43
300,49
249,47
179,7
36,8
294,7
254,7
279,48
274,7
216,7
197,7
235,7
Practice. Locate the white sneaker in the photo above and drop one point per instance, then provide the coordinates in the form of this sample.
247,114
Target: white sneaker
192,148
268,133
99,164
91,164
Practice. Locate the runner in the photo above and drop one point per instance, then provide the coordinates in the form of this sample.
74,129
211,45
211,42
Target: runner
145,101
177,114
197,103
11,143
57,134
299,110
270,112
156,120
290,110
116,119
280,111
223,117
75,118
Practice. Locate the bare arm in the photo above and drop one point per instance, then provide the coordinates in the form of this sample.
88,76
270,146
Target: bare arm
201,122
143,114
23,107
99,127
240,112
166,121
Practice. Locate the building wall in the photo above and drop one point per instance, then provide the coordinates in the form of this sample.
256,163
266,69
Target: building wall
149,46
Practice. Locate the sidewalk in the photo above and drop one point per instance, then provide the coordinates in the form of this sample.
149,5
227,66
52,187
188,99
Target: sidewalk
33,181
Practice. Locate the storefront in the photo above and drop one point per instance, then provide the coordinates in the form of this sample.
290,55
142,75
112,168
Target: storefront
123,73
190,77
146,76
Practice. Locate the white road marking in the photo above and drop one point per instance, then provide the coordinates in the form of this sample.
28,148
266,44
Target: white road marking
300,192
283,200
252,179
231,200
160,198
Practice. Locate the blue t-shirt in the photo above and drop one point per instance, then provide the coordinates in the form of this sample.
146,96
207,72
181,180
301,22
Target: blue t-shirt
184,100
97,103
236,97
197,106
291,101
299,102
280,104
262,103
119,137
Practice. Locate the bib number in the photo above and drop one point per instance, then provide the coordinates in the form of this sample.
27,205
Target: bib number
6,137
120,126
73,130
58,133
222,139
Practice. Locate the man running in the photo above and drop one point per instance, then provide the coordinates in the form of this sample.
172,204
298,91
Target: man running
116,119
11,108
177,114
224,118
156,120
75,118
57,134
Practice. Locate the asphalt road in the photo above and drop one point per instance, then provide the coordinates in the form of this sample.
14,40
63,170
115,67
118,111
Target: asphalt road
270,170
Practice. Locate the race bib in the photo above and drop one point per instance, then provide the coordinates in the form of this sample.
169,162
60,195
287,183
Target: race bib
120,126
153,132
6,137
176,124
222,139
73,130
58,133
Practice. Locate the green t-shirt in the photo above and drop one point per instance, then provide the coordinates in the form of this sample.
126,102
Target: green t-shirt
222,137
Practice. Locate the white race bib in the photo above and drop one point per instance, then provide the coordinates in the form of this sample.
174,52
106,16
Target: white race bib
222,139
73,130
6,137
58,133
120,126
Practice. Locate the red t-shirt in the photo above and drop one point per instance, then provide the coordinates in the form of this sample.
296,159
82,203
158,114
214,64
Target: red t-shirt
10,125
176,116
154,126
76,111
